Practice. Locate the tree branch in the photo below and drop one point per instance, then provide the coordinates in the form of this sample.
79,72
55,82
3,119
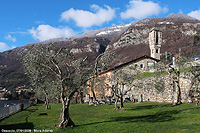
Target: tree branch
48,67
58,52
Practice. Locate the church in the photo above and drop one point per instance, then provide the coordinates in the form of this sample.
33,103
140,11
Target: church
145,63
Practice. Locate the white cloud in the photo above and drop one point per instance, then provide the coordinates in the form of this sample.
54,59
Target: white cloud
87,19
3,46
139,9
45,32
195,14
10,38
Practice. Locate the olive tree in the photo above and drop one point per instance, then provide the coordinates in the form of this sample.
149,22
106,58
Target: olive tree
174,72
119,80
56,69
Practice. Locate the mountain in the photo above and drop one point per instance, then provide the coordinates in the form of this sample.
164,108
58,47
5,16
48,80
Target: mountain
180,17
89,44
178,31
108,33
125,41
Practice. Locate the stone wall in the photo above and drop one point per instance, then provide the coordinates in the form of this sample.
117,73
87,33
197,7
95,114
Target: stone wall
161,89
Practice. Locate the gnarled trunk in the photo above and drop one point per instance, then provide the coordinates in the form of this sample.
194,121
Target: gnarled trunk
116,108
65,119
121,104
81,97
46,100
94,96
179,96
46,103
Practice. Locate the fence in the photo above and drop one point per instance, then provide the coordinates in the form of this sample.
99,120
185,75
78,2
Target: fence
8,110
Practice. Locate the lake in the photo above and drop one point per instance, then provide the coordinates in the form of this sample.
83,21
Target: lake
8,107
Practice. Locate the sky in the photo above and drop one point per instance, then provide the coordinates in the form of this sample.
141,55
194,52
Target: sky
25,21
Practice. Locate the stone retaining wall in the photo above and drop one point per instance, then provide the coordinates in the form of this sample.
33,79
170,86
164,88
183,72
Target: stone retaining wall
161,89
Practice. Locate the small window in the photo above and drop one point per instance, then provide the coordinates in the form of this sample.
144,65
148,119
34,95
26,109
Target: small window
156,50
141,65
136,65
150,64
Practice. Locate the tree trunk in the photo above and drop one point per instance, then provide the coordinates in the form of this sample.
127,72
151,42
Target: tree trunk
116,108
46,103
121,103
81,99
65,119
94,96
179,88
46,99
179,96
76,97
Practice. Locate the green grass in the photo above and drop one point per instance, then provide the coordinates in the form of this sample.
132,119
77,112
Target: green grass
144,117
163,73
185,69
151,74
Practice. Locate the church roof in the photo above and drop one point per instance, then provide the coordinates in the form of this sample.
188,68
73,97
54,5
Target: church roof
129,62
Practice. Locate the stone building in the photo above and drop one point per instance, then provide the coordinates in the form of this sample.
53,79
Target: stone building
96,84
144,63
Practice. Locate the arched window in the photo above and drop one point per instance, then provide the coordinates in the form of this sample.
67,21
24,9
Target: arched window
136,65
156,37
156,50
141,66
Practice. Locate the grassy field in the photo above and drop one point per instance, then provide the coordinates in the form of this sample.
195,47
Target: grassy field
142,117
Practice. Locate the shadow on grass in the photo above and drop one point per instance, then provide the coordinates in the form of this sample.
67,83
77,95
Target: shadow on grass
31,110
17,126
164,116
37,105
43,114
158,117
151,107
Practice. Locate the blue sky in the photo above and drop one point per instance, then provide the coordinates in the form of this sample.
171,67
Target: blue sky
24,21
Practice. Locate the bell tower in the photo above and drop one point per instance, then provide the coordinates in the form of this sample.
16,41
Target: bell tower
155,40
